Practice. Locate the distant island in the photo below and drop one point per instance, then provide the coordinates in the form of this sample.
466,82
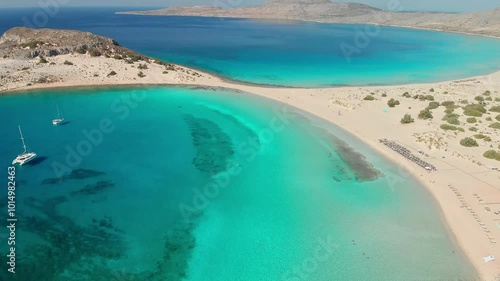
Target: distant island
480,23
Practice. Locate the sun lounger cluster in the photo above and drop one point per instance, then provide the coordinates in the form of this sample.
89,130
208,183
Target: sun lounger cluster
474,214
407,154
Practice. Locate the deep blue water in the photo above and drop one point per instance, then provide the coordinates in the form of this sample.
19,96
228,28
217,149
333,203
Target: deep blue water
296,54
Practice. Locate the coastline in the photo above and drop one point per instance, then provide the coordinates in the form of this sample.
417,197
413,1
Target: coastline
321,102
325,22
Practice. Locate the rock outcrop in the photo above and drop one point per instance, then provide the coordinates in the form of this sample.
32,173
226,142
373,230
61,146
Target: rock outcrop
21,42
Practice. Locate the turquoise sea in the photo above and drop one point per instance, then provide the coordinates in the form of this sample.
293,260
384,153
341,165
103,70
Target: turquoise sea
166,183
195,184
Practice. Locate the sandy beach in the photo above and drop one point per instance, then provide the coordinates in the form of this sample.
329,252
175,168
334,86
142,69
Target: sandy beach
466,185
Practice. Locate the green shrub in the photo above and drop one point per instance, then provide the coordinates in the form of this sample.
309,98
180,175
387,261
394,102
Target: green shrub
453,121
94,53
495,125
479,136
431,90
488,119
464,102
469,142
488,139
492,154
429,97
479,98
81,50
407,119
43,60
472,112
448,103
406,95
471,120
392,103
66,62
449,110
140,74
32,44
497,118
447,127
117,57
497,99
135,57
369,97
165,72
143,66
425,114
473,129
433,105
476,107
112,73
487,93
384,95
495,109
488,99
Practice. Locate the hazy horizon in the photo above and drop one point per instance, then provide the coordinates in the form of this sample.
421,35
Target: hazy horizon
407,5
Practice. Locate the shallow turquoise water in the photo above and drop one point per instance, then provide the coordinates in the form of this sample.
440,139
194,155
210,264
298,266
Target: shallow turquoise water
193,184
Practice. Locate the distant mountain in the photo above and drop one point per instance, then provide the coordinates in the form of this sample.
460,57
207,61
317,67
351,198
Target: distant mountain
481,23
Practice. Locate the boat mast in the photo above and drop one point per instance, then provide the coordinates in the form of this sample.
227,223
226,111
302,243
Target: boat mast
22,138
58,112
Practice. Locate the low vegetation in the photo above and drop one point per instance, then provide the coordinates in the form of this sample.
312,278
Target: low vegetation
479,98
94,53
43,60
32,44
67,62
448,127
433,105
392,103
471,120
140,74
369,97
495,125
407,119
451,118
495,109
492,154
474,110
112,73
469,142
425,114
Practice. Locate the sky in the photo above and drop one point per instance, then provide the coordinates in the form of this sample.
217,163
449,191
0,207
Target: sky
407,5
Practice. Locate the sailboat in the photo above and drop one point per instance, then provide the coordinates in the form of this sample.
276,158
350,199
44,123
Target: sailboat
26,156
59,118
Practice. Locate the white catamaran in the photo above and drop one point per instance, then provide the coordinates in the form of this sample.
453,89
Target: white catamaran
26,156
59,118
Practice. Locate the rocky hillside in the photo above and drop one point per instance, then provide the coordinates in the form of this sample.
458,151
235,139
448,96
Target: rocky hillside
483,23
21,42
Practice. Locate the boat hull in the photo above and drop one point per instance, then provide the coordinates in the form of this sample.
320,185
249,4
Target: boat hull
24,158
57,121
